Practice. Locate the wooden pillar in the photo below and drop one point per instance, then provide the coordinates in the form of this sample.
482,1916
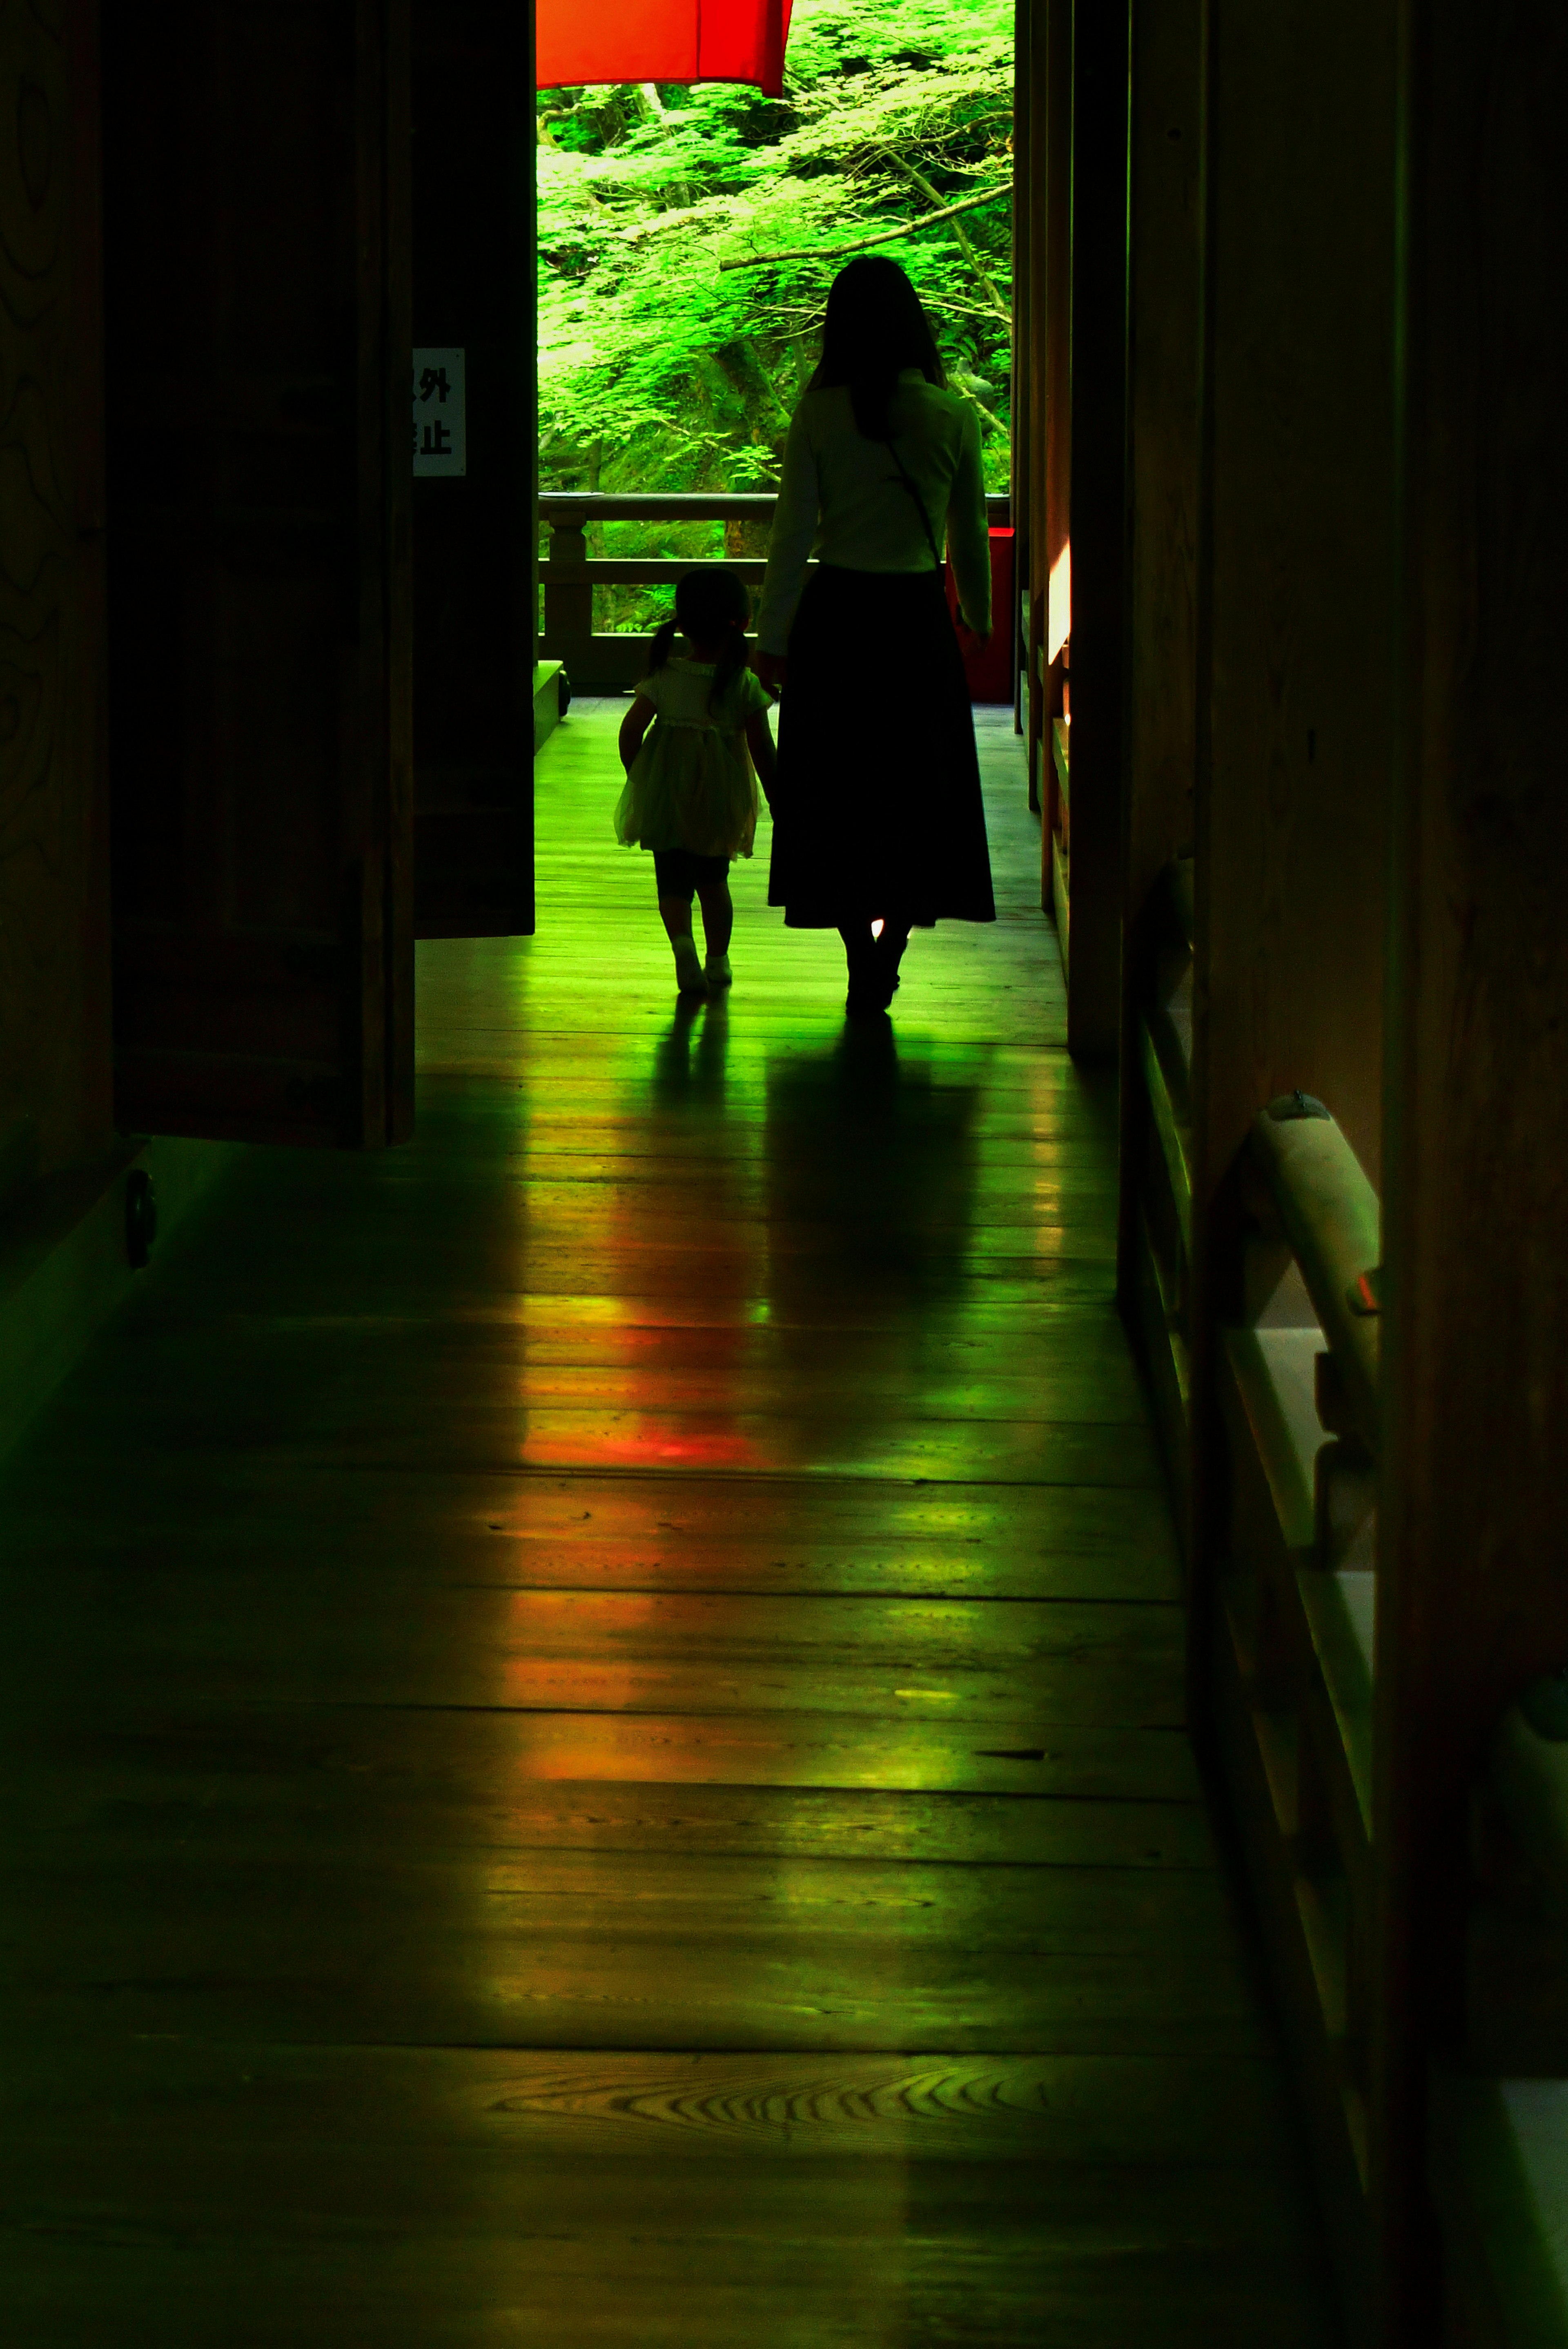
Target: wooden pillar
257,331
1294,629
1053,353
1473,1588
1165,296
54,1093
569,595
1097,356
1165,312
1019,404
475,538
1293,732
1032,278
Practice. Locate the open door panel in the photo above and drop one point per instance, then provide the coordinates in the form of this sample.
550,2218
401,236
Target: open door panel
257,331
474,529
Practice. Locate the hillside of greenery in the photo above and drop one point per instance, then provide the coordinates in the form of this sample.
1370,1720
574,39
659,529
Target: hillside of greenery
661,368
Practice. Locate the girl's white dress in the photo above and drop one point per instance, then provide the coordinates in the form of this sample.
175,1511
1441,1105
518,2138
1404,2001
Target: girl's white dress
692,784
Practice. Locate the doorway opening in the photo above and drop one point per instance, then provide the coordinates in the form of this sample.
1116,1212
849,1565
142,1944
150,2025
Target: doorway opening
687,237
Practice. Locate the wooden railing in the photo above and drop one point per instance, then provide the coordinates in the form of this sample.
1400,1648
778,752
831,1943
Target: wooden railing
1299,1377
1156,1205
1499,2151
1295,1607
608,660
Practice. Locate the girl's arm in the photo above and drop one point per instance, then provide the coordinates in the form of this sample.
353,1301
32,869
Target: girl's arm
634,726
760,741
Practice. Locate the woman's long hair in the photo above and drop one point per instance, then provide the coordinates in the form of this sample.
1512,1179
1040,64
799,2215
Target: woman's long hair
712,606
874,328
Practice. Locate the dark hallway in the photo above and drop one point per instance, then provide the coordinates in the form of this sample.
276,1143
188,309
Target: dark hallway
595,1738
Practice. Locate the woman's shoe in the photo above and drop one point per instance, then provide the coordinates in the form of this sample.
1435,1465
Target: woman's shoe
688,970
886,956
872,985
717,971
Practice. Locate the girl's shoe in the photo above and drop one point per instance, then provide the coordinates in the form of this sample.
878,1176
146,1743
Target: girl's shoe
717,971
688,970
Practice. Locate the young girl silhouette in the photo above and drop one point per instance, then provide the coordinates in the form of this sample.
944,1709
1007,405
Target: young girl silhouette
691,789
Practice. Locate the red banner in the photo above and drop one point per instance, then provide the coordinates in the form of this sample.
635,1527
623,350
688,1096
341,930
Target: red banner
661,40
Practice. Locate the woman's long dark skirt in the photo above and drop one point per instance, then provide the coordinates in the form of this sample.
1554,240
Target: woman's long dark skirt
877,814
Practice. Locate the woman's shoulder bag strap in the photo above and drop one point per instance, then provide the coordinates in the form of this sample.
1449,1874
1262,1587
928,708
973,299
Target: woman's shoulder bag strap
903,476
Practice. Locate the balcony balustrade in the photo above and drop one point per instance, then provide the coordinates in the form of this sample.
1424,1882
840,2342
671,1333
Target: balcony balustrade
607,661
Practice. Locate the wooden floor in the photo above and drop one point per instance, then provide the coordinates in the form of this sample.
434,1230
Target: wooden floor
592,1707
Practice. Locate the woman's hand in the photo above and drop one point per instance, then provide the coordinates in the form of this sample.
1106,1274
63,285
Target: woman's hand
770,668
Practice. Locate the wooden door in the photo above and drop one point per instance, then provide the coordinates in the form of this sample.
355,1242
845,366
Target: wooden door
475,535
54,873
257,331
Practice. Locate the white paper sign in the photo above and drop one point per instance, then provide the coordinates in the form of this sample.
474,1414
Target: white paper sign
441,440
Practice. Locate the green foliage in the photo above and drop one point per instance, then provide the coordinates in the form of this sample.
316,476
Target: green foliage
657,369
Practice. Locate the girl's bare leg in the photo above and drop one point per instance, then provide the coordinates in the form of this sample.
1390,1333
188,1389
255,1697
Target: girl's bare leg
718,917
676,914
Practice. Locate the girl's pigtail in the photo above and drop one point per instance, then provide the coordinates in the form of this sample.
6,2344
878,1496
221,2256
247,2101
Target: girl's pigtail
659,652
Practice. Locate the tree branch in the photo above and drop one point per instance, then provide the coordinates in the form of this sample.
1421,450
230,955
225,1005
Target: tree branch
918,179
872,236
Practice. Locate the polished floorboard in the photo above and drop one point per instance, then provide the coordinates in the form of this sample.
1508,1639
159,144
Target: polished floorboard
592,1707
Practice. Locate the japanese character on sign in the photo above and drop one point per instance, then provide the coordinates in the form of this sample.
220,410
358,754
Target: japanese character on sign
439,422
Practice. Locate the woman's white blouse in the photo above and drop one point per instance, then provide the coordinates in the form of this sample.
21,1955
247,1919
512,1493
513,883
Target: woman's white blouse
840,496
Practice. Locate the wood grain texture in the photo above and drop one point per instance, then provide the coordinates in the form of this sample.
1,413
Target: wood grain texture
1165,316
1291,815
475,624
1166,244
593,1708
54,843
1471,1600
257,316
1294,740
1093,324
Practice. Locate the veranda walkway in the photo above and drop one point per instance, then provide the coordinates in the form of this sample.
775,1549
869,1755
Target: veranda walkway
592,1707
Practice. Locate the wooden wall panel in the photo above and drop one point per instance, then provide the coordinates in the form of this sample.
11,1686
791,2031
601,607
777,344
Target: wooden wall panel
1296,715
1295,739
1295,701
1165,311
1054,84
475,539
1095,520
1021,377
1473,1542
53,929
1031,345
1164,448
258,491
1053,393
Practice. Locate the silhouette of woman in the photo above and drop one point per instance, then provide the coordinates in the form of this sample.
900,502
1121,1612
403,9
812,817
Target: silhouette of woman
878,816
